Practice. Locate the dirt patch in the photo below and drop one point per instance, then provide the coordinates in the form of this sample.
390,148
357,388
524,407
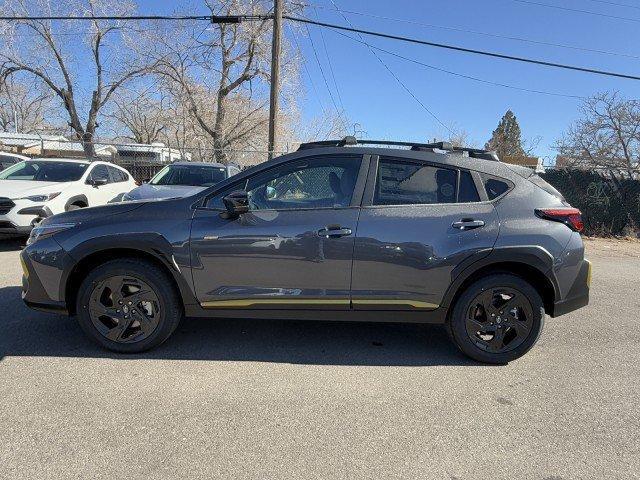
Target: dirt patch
612,247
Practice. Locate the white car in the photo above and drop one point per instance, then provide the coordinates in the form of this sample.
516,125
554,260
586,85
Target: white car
38,188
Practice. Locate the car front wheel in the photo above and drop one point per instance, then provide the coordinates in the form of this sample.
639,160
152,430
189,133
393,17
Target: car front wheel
128,305
497,319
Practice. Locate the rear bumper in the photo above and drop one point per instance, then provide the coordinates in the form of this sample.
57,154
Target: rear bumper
578,295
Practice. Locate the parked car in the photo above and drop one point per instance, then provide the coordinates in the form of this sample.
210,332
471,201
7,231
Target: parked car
7,159
34,189
334,231
182,179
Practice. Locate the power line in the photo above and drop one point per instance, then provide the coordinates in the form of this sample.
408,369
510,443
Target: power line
397,79
577,10
615,4
335,84
462,75
324,77
485,34
209,18
306,68
465,50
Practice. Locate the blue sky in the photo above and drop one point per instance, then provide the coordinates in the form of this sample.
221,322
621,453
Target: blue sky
373,98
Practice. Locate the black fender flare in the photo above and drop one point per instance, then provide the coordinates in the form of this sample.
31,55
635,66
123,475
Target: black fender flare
533,256
74,199
152,244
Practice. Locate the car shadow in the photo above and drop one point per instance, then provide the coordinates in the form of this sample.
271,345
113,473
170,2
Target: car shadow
24,332
11,244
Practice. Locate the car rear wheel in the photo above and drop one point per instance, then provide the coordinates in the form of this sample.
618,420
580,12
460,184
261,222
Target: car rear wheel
497,319
128,305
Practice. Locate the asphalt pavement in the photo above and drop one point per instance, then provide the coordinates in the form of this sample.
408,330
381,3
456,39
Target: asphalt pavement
304,400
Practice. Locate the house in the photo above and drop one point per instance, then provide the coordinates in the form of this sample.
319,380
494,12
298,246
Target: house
534,163
19,142
50,146
68,149
155,153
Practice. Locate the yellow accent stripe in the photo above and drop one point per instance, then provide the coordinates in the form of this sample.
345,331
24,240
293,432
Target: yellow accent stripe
272,301
302,301
589,274
24,267
412,303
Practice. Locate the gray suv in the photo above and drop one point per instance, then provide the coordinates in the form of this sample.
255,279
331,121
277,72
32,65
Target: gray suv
339,230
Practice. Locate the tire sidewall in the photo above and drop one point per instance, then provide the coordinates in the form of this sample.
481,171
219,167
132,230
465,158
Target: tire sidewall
457,319
146,272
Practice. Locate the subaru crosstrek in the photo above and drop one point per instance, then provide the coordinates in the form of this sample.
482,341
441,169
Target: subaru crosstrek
335,231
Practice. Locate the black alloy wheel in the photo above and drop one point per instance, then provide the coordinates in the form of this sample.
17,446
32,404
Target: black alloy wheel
499,319
124,309
129,305
496,319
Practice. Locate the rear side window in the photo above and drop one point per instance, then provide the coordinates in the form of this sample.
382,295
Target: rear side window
401,183
495,187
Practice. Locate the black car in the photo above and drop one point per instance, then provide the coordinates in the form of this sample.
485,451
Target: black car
334,231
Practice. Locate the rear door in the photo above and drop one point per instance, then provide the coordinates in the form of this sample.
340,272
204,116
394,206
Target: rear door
418,222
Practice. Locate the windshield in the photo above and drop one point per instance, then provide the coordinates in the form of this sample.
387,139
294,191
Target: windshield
193,175
44,171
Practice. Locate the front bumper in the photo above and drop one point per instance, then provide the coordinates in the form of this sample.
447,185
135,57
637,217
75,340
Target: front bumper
21,218
44,266
578,295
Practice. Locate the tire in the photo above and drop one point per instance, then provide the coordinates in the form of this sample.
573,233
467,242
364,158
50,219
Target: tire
162,300
469,315
75,206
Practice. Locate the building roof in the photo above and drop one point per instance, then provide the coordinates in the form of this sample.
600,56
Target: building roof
66,146
532,162
26,139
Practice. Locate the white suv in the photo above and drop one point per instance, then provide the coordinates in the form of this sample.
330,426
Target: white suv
38,188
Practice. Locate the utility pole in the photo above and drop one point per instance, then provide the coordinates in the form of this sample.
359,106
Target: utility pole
275,75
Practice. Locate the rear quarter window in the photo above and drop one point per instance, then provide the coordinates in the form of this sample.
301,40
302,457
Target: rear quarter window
495,187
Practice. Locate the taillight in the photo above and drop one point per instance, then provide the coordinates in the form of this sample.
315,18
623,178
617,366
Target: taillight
571,217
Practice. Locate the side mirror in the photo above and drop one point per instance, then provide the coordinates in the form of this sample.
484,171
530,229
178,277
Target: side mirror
236,203
98,182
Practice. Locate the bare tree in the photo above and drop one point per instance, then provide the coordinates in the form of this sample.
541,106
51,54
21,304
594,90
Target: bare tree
98,49
606,135
222,72
26,110
143,115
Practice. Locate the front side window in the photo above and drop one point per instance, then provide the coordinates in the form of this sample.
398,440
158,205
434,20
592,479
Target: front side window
402,182
99,172
117,175
321,182
44,171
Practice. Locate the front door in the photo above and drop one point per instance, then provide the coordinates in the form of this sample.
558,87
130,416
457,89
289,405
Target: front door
418,222
294,247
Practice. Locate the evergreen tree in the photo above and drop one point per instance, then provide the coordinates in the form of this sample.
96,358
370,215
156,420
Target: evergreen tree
506,138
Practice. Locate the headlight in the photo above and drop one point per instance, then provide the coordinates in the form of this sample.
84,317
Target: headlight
43,231
40,198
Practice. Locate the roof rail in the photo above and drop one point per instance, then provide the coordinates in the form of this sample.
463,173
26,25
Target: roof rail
446,146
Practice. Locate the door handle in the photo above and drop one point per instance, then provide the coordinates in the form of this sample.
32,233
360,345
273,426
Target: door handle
467,224
334,231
